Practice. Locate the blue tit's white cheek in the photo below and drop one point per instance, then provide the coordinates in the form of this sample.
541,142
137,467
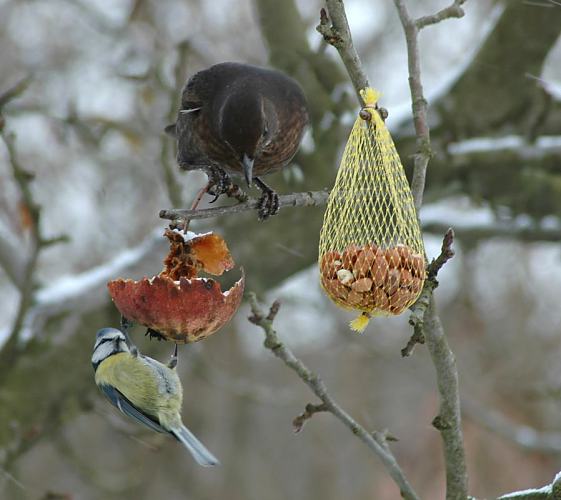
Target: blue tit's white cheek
103,351
107,339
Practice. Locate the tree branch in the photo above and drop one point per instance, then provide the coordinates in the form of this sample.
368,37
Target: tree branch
82,293
476,232
309,412
419,104
550,492
374,442
14,91
448,421
338,34
419,309
12,261
306,199
23,178
30,212
454,10
522,435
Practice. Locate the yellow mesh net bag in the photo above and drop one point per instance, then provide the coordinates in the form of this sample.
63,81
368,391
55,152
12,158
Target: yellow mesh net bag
371,253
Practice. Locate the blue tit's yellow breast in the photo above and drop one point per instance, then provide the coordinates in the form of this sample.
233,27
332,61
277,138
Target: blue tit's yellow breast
149,385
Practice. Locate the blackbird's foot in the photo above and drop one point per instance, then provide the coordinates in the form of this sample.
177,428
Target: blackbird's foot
268,204
153,334
237,192
219,182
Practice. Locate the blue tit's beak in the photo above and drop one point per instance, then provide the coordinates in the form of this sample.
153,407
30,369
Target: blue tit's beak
247,164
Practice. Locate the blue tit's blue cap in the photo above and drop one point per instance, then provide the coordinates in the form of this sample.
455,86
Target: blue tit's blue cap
106,331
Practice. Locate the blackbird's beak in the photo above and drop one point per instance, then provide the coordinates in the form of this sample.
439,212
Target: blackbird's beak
247,163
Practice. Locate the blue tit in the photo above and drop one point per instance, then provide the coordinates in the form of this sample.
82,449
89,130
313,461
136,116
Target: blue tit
144,389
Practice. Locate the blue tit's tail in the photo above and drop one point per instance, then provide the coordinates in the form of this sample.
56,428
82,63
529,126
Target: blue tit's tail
195,447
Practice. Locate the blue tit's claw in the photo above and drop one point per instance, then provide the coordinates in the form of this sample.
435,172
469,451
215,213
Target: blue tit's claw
153,334
126,323
173,360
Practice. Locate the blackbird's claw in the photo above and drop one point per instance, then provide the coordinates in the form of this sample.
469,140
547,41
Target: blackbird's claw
268,204
219,182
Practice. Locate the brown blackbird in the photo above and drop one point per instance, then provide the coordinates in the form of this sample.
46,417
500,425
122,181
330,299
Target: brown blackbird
240,119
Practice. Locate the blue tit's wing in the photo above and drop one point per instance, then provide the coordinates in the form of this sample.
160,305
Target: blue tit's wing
123,404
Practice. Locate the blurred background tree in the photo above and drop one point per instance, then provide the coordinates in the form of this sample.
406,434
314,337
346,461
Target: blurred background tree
86,89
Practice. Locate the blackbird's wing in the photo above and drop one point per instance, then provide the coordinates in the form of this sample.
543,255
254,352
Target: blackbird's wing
125,406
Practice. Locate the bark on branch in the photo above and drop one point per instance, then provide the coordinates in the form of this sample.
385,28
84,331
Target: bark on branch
550,492
305,199
419,309
448,421
334,28
454,10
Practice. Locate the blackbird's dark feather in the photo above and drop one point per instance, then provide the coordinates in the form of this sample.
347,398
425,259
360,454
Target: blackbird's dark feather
230,110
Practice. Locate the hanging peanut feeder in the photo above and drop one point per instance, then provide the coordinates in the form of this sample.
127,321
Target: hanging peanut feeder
371,252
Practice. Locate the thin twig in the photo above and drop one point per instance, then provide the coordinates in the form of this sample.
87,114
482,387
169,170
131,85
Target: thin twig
419,104
31,212
12,261
309,411
14,91
411,29
454,10
478,232
523,436
446,253
418,337
420,307
23,178
374,442
194,206
305,199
